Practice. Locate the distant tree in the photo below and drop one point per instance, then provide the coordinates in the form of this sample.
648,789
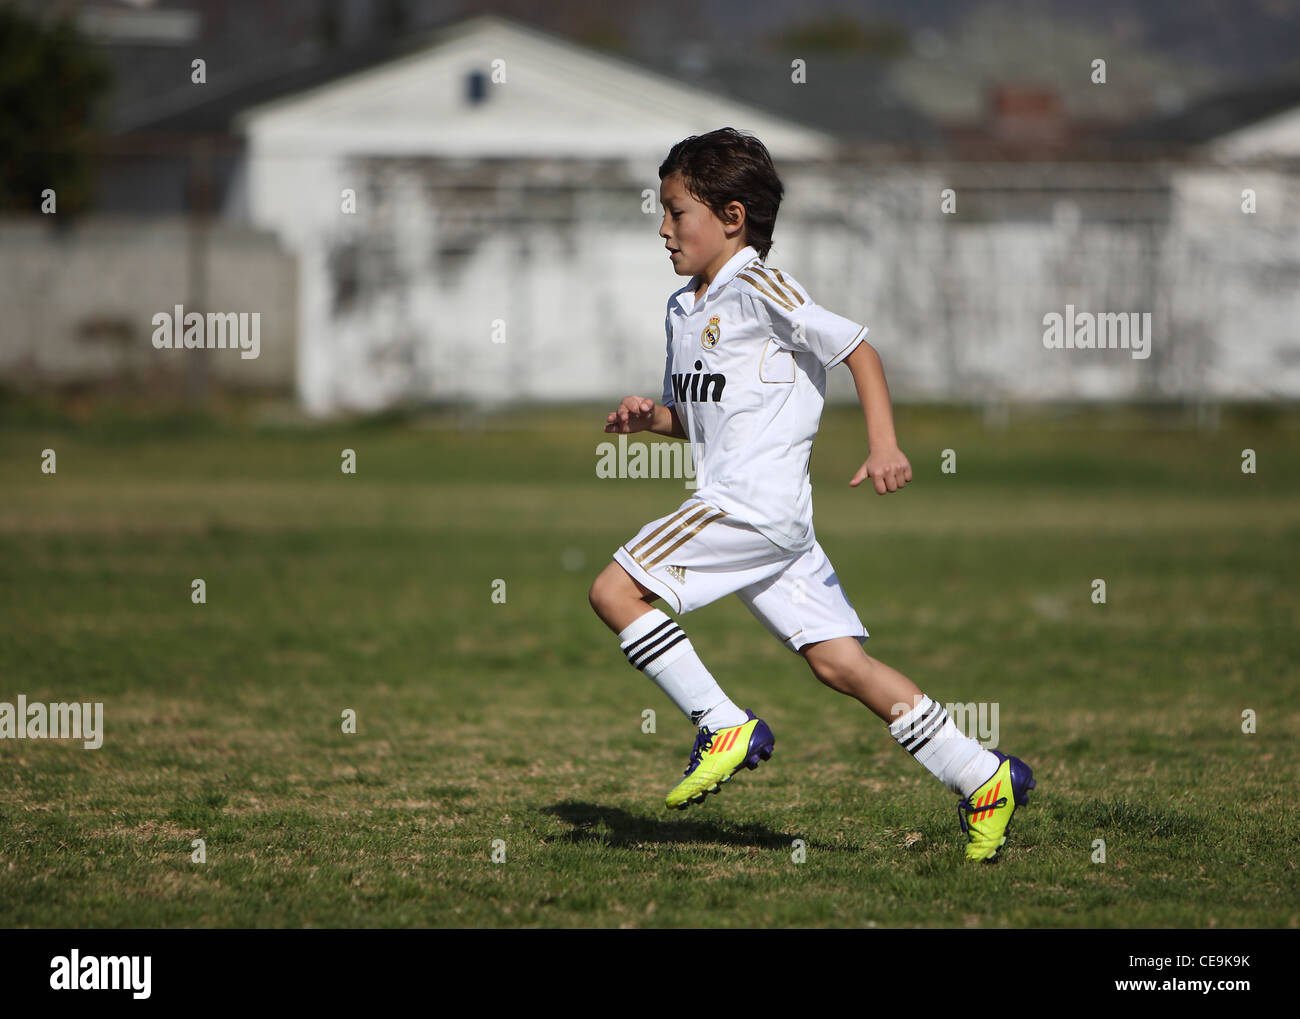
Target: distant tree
52,84
842,33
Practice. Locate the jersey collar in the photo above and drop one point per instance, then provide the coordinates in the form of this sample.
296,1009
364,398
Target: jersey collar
738,261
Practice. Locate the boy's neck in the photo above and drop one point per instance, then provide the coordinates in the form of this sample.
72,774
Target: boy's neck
701,282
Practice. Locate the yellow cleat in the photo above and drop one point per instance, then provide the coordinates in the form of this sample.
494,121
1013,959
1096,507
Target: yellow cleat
719,755
991,805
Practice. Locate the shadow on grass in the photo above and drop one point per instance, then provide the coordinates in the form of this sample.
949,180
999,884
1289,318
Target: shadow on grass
613,826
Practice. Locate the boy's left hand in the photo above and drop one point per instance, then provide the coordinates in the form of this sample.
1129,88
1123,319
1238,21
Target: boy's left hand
887,468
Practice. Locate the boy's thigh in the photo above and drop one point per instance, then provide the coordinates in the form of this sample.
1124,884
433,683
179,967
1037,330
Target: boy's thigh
804,603
698,554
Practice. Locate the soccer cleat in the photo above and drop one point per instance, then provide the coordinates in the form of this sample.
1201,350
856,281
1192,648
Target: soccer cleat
719,755
991,805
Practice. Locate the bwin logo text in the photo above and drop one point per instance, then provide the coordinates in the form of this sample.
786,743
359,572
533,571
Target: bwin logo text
695,387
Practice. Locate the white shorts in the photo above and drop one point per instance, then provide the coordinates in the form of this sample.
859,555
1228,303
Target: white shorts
699,554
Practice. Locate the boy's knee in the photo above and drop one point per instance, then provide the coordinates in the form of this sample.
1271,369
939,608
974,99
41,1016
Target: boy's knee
598,596
839,671
832,674
610,586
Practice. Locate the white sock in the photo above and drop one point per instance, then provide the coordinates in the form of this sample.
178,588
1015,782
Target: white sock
955,759
657,646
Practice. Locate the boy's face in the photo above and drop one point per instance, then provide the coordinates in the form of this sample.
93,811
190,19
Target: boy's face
694,236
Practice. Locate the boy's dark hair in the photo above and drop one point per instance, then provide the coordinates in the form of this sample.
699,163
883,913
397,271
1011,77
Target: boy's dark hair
728,166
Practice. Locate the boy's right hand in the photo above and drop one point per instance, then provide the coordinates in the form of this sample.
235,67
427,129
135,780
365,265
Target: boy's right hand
634,414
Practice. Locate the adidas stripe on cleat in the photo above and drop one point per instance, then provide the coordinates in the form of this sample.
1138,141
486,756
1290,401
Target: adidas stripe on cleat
717,756
985,815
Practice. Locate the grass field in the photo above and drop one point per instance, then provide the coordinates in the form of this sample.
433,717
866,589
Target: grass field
521,721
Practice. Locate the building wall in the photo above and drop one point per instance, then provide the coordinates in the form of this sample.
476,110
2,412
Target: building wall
496,281
80,302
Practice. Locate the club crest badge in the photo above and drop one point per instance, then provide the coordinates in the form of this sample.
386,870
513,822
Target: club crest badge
709,338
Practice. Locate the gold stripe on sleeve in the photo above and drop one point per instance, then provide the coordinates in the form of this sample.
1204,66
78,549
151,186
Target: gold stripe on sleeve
849,344
766,290
782,288
790,286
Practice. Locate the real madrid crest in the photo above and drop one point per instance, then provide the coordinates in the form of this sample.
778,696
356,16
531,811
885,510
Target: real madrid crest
709,338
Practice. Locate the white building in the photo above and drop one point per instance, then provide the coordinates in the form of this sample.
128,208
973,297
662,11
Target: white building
479,221
504,241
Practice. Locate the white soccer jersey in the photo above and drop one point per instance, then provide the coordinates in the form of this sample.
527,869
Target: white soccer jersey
747,373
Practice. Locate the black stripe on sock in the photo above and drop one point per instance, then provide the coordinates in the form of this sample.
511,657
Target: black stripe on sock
928,730
680,637
644,648
654,653
929,735
915,728
635,646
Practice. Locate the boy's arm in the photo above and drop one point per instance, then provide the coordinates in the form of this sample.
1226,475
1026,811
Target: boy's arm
673,423
640,414
885,465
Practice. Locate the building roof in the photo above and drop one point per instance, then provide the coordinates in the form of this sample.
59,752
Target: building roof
1218,115
495,88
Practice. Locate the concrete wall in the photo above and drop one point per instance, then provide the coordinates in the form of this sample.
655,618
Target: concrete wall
79,303
507,281
504,281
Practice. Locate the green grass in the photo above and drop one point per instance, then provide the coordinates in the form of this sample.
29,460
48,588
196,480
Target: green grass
521,721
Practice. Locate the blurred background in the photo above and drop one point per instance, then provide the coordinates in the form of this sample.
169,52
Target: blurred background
437,202
436,223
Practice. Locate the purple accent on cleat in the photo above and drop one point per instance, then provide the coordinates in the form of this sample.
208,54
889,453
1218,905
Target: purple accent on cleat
1022,777
761,744
1022,780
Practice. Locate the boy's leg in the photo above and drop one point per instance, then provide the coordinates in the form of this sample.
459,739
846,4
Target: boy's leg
657,646
921,726
689,558
991,784
807,609
843,665
618,599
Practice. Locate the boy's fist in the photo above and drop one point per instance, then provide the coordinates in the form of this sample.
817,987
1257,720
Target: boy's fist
634,414
888,469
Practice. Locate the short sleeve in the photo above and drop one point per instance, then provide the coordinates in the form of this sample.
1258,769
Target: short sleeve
812,329
801,325
668,400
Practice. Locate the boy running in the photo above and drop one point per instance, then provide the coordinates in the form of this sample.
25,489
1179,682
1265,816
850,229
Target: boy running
745,382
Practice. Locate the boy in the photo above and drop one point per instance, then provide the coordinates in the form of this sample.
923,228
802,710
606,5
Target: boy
748,352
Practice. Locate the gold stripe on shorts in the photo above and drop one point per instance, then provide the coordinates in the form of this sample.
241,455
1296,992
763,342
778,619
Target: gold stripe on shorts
645,550
661,556
635,550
